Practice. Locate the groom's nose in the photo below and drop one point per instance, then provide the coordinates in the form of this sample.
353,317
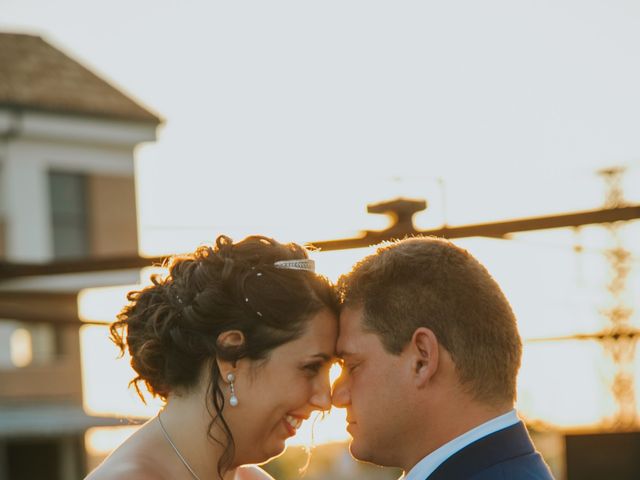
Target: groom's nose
341,396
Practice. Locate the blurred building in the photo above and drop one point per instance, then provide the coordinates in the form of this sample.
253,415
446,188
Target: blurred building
67,204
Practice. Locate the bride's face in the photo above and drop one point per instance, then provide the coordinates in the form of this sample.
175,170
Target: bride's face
276,395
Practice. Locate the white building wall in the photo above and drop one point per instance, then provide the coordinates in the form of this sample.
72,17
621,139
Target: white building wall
27,224
6,329
36,143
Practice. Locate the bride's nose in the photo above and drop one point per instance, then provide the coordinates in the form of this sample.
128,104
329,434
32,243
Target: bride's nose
321,398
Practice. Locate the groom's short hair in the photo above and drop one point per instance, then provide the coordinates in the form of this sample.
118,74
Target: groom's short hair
430,282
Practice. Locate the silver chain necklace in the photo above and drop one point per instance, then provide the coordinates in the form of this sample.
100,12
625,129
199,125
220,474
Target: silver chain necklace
175,449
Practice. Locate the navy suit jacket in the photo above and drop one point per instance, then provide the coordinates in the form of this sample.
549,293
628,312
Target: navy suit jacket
507,454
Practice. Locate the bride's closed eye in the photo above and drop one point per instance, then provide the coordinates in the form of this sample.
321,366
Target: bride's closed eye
313,368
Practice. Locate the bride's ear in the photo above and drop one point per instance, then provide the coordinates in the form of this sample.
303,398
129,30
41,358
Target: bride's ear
230,339
228,342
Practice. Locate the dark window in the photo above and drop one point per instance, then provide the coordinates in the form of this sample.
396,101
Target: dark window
603,456
68,195
59,458
30,460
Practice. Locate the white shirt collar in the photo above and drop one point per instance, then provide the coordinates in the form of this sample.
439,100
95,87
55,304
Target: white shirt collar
428,464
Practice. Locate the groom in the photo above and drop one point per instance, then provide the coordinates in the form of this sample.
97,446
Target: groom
430,353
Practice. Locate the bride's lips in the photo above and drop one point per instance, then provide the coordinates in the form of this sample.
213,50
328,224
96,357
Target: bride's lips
292,423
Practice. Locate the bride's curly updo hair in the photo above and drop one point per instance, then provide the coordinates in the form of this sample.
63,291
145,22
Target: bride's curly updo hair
171,328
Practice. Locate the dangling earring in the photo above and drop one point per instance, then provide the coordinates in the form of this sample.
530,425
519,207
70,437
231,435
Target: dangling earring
233,400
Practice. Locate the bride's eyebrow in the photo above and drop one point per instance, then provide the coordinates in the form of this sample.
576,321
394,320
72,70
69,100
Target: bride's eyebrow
322,356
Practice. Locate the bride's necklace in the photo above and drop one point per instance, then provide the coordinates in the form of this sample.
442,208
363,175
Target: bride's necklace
175,449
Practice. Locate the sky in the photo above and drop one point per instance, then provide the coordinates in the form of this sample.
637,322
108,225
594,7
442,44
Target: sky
288,117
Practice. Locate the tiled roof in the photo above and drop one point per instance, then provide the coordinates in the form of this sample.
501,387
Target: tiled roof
35,75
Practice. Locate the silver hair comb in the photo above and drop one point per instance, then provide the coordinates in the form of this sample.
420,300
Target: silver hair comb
300,264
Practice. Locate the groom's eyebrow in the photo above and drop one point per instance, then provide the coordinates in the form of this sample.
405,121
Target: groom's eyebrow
344,354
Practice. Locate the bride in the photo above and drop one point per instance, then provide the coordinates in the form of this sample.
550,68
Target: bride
238,340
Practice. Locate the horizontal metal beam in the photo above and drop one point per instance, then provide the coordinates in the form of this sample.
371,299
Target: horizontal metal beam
614,334
14,270
58,321
59,308
492,229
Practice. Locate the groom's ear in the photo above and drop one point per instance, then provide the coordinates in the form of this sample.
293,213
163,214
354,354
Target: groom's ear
424,350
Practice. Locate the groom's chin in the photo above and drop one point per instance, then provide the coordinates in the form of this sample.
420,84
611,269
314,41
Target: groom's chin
363,447
363,452
359,451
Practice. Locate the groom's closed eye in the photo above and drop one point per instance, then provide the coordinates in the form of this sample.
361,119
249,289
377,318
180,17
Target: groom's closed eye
348,364
351,366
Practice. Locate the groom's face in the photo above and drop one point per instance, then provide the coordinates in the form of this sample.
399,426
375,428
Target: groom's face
371,389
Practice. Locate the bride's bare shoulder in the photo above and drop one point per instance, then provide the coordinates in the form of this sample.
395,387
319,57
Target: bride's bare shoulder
139,457
252,472
132,470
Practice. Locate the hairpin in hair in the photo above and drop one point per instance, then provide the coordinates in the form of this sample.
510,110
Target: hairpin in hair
246,299
299,264
181,305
